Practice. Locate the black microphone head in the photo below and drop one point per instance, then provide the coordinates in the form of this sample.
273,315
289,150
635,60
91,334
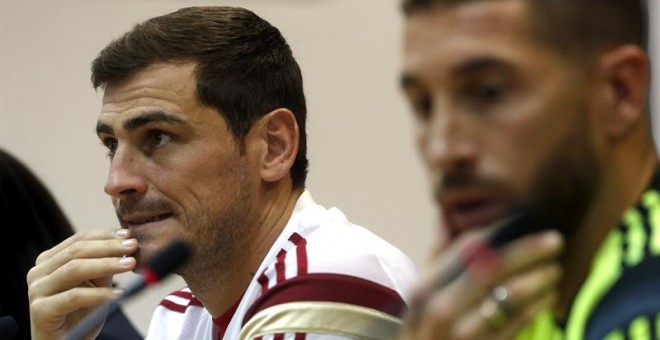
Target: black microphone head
166,262
527,219
8,327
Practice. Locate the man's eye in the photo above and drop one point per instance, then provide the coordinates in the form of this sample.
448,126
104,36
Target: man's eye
111,145
422,106
158,139
486,93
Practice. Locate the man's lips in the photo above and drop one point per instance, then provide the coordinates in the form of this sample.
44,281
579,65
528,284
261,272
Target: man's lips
135,220
476,212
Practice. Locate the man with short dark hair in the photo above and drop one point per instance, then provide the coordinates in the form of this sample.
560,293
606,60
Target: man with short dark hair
539,104
203,119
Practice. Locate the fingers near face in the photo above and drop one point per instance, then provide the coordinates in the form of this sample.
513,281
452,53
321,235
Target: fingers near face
526,269
84,257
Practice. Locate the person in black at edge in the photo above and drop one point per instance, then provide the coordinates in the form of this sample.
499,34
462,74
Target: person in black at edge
541,101
38,223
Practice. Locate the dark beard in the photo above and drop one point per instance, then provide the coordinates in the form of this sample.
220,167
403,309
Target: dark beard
566,185
221,240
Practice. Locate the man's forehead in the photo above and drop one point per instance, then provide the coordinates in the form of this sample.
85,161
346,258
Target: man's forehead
163,87
136,100
456,32
160,80
472,18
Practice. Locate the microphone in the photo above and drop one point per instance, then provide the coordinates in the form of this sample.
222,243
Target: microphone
528,219
8,327
162,264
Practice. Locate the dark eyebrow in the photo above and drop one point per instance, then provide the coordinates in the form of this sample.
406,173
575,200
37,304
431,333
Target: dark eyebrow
472,66
141,120
104,128
480,65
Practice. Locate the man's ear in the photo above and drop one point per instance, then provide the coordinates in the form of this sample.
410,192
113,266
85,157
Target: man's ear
280,133
627,75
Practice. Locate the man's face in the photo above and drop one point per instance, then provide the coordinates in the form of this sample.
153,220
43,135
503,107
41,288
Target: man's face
502,119
175,170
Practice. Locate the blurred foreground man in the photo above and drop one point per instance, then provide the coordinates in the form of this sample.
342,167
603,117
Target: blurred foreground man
540,104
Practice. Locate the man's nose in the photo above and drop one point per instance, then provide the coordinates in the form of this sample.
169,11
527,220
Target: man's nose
449,141
125,177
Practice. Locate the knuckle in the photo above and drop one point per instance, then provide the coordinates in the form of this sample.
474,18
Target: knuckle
31,276
463,333
441,310
73,297
43,256
70,267
75,250
555,271
515,291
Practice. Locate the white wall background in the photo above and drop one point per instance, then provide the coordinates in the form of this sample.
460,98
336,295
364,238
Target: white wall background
360,134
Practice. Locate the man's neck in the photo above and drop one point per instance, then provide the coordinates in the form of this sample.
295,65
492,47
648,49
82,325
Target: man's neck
621,188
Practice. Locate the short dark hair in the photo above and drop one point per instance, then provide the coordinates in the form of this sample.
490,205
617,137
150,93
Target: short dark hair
579,29
245,68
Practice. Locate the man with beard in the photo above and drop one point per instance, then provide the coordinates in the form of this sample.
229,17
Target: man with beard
536,111
203,119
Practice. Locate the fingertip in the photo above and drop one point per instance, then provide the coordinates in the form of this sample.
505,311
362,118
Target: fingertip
127,262
117,292
122,233
553,239
129,243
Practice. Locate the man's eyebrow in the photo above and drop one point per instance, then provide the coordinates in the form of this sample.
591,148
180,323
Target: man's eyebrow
141,120
480,64
472,66
152,117
104,128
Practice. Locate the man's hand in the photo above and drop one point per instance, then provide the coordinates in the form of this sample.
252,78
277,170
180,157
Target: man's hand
497,293
71,279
